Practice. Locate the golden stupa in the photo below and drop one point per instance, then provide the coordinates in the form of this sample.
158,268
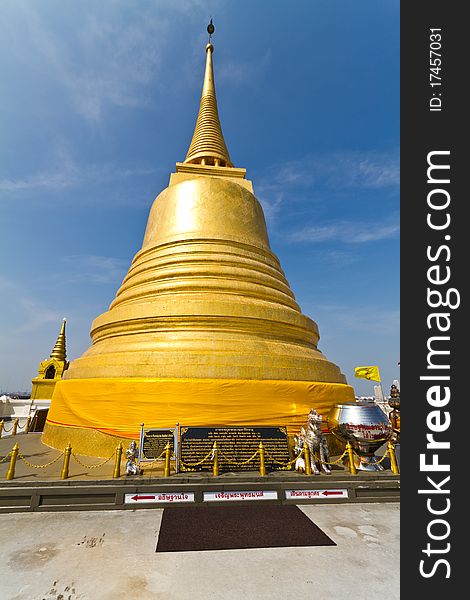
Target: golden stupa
204,329
51,370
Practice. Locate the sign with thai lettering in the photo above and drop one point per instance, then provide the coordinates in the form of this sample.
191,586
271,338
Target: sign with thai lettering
160,498
153,442
330,494
223,496
236,445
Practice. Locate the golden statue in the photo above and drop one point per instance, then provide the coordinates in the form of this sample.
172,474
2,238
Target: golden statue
204,329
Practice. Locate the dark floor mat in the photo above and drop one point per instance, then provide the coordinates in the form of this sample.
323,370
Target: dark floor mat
230,527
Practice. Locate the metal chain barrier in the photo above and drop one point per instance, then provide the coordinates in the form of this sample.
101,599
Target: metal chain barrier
287,464
376,462
5,457
191,465
334,462
238,464
39,466
211,454
291,462
146,464
7,430
93,466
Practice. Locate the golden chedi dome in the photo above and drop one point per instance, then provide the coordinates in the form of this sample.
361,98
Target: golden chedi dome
204,329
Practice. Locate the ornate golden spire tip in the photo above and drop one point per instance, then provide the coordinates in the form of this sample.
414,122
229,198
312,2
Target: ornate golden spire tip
208,145
59,351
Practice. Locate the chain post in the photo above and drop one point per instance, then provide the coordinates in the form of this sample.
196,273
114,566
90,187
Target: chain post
262,465
308,464
352,466
65,468
166,472
2,422
15,426
215,460
117,462
11,468
27,424
393,458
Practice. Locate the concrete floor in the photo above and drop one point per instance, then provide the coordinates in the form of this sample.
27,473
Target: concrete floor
111,555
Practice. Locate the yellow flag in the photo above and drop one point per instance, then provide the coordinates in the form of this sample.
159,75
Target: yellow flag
371,373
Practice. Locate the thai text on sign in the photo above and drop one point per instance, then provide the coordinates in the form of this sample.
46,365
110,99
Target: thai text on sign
240,495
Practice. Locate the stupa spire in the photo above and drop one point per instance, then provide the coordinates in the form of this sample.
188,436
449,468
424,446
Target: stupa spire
208,145
59,350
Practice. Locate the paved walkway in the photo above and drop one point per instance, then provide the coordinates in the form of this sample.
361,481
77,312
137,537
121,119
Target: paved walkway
111,555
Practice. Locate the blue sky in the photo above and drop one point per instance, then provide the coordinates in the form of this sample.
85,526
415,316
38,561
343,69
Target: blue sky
99,101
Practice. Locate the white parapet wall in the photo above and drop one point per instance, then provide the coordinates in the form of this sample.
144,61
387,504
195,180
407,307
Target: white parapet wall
11,408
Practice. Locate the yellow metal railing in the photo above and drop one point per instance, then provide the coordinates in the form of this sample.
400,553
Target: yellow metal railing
213,456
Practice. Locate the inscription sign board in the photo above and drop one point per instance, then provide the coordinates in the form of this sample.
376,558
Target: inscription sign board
235,445
331,494
230,496
162,497
153,442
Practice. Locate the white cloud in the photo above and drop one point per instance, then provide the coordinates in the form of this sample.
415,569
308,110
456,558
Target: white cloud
33,312
371,319
271,200
349,232
98,57
337,257
375,172
298,181
374,233
344,170
237,72
71,174
93,269
38,181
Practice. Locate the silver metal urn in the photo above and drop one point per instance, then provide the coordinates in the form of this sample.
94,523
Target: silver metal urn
365,426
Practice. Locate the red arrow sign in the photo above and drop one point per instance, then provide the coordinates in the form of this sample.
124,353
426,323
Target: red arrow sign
327,493
136,497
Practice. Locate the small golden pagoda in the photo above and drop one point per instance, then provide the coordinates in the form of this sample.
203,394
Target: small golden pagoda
204,329
50,371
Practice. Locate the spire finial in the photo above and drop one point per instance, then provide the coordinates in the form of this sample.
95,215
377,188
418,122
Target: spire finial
210,30
59,350
208,145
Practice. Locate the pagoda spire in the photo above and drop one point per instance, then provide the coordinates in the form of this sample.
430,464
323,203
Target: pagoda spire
59,351
208,145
